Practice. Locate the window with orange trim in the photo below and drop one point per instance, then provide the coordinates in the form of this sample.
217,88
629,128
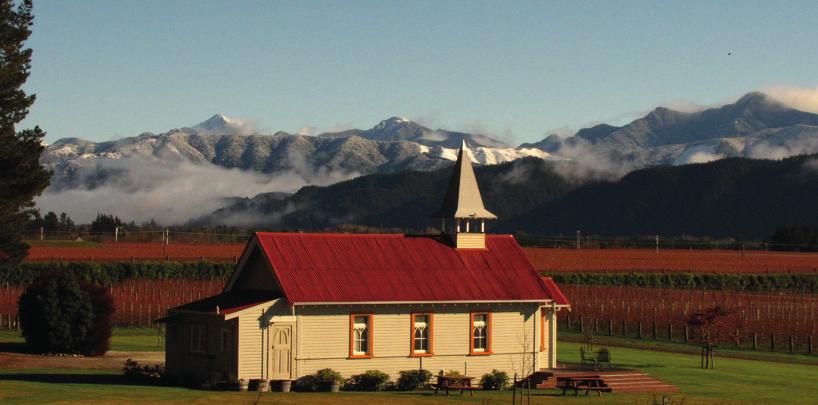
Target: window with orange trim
542,330
480,341
360,336
421,334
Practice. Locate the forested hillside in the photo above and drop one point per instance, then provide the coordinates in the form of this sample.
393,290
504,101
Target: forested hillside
742,198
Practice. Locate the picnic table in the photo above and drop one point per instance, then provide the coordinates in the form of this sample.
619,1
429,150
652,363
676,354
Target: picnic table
578,383
460,382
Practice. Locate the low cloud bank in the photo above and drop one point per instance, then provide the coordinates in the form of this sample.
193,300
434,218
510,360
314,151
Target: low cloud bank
141,189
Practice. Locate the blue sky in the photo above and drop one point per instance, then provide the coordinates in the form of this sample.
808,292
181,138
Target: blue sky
515,70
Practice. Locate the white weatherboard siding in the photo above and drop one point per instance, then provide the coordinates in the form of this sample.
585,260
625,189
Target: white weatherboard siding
251,345
471,241
323,339
254,338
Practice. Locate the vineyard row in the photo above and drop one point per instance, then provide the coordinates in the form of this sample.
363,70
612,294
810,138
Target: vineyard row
753,320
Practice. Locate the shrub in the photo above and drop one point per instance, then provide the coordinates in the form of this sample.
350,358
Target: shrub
453,373
146,373
495,380
98,339
306,383
370,380
114,272
320,381
56,314
60,315
413,379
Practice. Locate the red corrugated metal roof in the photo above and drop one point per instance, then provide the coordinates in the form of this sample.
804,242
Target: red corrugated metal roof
555,291
398,268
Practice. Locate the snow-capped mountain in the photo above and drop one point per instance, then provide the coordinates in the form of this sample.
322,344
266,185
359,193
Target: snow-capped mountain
220,124
222,158
755,126
403,129
187,172
392,144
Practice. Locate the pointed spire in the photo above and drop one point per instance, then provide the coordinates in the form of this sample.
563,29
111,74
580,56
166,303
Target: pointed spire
463,198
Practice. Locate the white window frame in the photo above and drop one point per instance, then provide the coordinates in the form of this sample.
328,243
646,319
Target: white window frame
480,332
360,335
425,328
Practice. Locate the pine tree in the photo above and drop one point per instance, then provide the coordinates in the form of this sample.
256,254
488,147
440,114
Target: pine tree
66,223
50,222
21,176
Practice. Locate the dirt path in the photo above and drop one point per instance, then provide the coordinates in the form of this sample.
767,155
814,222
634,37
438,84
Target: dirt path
110,361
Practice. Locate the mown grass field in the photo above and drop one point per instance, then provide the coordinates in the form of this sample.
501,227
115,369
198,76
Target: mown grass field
123,339
740,381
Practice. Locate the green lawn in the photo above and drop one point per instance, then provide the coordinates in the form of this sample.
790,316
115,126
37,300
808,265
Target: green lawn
748,381
733,381
123,339
679,347
69,387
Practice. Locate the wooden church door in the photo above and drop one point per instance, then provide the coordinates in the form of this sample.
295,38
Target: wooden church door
281,337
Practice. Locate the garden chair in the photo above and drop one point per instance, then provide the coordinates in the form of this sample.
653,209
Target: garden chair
587,357
603,358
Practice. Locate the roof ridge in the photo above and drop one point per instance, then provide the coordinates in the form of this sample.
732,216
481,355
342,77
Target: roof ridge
332,234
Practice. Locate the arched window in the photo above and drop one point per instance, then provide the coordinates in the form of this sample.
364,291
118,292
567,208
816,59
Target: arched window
480,333
360,335
421,338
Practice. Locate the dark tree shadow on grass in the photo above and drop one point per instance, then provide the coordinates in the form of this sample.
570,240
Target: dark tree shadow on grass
14,347
68,378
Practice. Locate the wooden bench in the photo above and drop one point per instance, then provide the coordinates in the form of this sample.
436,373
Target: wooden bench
586,384
458,383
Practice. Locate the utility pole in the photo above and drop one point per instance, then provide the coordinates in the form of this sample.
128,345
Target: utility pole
578,238
116,234
41,233
657,243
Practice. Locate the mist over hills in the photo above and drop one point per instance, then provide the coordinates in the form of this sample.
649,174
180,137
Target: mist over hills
403,200
739,197
190,172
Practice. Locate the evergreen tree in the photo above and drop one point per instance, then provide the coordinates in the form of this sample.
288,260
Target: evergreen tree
66,223
50,222
35,222
56,314
21,176
105,223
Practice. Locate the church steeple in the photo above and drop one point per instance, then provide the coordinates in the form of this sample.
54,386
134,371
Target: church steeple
463,214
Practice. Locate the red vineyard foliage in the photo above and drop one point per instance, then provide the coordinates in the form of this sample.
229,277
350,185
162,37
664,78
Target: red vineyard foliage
138,302
646,260
662,313
544,259
137,252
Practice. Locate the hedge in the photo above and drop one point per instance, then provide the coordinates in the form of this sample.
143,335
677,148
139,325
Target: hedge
704,281
113,272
